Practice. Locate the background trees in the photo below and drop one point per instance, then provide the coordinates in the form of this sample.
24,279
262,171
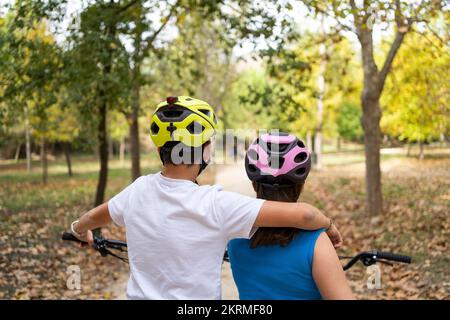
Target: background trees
416,104
65,79
361,18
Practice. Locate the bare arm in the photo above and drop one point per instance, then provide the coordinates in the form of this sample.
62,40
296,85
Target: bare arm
296,215
93,219
328,273
287,214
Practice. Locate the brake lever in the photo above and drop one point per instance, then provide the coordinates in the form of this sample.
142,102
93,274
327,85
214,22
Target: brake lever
115,255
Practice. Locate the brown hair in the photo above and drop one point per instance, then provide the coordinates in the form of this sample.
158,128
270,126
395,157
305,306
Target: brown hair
272,236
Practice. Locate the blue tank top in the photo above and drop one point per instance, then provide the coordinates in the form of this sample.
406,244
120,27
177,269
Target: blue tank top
275,272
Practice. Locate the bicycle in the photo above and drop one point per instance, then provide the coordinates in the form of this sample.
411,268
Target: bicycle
367,258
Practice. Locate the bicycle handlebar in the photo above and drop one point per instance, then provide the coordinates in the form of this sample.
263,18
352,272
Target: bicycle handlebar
371,257
393,257
367,258
101,244
67,236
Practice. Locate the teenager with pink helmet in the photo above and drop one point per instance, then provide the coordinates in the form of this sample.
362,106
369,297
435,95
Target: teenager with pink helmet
284,263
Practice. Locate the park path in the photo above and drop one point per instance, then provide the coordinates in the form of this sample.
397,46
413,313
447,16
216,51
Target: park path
232,178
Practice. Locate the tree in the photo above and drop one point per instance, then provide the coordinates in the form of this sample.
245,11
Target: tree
239,19
419,112
32,66
118,132
364,15
97,74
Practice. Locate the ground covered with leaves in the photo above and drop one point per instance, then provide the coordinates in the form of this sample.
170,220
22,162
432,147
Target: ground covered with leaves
415,222
34,261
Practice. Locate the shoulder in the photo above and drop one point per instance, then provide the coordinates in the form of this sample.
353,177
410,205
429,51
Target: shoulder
142,181
208,191
323,246
308,241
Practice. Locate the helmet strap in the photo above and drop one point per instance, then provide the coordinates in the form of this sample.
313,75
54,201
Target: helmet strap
203,166
276,186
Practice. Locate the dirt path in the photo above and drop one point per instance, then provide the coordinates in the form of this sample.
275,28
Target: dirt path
232,178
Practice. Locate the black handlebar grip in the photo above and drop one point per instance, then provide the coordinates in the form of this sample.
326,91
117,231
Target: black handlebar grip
67,236
393,257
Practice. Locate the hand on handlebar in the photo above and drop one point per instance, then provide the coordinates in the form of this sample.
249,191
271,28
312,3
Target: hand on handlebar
335,236
87,239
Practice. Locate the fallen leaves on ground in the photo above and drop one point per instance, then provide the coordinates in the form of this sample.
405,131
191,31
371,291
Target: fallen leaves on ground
34,261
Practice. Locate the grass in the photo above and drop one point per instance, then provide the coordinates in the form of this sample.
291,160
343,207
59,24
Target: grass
21,190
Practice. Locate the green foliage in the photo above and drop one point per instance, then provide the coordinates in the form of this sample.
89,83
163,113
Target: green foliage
97,64
32,68
348,122
416,100
242,108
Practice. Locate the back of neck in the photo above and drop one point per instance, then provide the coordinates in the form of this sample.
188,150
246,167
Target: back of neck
182,172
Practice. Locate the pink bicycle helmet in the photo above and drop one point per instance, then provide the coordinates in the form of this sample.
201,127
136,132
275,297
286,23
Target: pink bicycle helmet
279,158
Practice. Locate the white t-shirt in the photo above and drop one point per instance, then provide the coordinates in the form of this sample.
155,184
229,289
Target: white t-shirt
177,233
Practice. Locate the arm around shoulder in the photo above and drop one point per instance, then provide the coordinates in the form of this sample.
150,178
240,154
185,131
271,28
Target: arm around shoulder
287,214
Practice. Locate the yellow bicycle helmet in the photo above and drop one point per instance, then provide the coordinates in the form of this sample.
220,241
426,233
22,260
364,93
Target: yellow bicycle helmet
183,119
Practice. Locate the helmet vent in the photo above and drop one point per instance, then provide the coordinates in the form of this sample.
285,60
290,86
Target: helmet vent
252,168
195,128
283,147
172,113
277,147
300,157
276,162
206,112
154,128
300,171
300,144
252,154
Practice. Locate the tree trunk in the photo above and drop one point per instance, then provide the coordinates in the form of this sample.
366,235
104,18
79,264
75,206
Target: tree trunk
66,148
134,132
110,147
122,152
338,144
313,148
27,140
309,141
17,153
408,153
44,162
421,152
103,155
321,93
371,116
372,140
